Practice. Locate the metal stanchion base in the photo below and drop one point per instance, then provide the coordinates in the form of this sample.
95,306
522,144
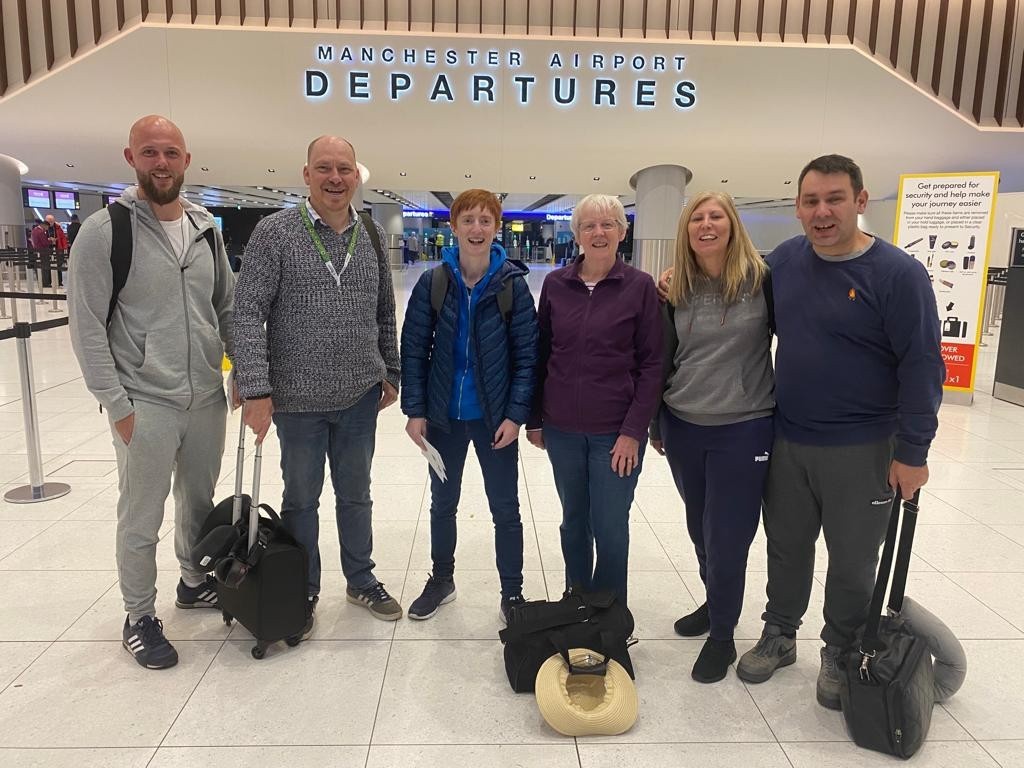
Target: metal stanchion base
28,494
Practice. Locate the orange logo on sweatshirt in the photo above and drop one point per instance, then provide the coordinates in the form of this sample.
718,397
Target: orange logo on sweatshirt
852,295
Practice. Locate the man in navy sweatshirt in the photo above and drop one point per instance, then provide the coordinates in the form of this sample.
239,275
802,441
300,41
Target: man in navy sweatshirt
858,377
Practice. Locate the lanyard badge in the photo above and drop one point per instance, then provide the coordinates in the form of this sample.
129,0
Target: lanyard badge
322,249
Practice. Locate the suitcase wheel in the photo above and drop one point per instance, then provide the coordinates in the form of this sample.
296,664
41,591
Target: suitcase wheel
258,652
293,640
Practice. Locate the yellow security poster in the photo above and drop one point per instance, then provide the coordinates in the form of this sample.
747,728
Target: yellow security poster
944,220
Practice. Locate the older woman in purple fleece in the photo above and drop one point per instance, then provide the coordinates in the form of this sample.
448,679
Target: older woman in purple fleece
598,385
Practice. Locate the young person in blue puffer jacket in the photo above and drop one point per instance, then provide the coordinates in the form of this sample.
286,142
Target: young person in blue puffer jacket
468,373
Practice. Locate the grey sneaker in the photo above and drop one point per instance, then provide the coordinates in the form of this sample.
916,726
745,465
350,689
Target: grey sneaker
772,651
830,680
376,600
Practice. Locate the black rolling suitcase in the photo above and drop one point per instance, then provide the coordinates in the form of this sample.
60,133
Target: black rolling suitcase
262,579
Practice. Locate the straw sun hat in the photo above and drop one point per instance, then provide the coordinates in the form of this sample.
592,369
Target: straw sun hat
581,704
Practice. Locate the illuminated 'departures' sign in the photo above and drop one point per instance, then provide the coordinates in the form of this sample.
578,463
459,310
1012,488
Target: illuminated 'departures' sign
366,74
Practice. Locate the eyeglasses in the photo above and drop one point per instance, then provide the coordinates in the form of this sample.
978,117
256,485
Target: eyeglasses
605,226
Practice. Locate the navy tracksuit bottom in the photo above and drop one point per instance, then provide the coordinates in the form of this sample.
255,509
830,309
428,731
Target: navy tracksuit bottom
720,472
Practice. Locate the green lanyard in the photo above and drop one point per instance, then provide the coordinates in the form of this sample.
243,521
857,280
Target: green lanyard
322,249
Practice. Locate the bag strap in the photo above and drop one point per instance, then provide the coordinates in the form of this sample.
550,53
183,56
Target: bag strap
505,300
120,251
870,642
438,287
769,299
899,575
371,230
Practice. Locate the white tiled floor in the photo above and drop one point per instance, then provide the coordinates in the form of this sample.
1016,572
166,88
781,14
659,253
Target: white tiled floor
368,694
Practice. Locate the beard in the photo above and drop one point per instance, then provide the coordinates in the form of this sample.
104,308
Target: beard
156,195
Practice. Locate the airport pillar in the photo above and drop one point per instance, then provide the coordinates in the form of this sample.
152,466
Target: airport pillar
660,190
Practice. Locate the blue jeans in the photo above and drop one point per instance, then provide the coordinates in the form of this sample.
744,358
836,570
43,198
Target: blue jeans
501,474
347,439
595,509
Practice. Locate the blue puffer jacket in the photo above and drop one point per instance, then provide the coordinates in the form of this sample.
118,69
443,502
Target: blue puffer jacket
504,355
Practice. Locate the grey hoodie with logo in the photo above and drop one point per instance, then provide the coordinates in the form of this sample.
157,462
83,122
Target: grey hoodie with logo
171,325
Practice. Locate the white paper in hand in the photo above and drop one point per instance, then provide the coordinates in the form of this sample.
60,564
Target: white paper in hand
229,386
434,460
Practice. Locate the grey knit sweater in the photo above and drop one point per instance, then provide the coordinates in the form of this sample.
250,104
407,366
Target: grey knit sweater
325,345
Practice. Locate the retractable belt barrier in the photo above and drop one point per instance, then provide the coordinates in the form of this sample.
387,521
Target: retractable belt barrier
12,263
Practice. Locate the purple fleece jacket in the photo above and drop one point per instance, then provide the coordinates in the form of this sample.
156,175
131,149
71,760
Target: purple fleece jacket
599,367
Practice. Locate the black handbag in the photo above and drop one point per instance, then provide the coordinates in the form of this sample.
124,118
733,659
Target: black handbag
888,681
538,629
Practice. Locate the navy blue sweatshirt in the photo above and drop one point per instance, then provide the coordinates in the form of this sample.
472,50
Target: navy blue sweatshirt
858,355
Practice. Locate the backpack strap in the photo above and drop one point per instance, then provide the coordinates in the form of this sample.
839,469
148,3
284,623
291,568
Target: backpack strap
438,287
505,299
769,299
120,251
371,230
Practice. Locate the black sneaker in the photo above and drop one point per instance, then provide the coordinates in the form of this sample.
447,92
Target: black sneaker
203,596
508,604
146,642
694,624
307,630
713,662
376,600
436,593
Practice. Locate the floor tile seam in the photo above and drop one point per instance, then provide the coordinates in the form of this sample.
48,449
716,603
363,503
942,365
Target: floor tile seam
536,537
32,538
768,725
27,667
966,730
191,693
990,755
948,576
95,602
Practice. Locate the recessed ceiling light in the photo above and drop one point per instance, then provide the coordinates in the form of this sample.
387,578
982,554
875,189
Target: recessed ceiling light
724,181
788,181
597,178
469,175
402,173
532,178
70,165
271,170
204,168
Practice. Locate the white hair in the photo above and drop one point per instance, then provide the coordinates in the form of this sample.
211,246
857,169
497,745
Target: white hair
602,204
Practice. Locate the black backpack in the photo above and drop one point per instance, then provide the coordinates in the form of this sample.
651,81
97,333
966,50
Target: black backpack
121,250
439,287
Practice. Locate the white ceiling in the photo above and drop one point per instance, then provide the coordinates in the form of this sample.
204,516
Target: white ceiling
762,112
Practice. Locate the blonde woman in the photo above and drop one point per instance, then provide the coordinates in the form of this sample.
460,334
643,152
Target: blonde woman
715,423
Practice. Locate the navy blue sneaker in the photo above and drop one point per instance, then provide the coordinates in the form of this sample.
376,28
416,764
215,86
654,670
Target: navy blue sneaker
146,642
203,596
508,604
307,631
436,593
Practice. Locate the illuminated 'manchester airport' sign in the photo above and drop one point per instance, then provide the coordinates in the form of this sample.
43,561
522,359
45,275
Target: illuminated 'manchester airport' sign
492,75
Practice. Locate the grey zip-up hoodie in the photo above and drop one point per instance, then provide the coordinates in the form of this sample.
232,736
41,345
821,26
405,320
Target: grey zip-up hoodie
171,325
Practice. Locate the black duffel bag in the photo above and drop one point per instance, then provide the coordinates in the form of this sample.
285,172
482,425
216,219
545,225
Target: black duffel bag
538,629
889,686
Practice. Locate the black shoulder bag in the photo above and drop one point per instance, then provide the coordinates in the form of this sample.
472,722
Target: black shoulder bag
539,629
888,687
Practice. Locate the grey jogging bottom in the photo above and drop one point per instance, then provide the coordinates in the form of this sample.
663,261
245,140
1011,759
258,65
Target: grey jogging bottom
843,491
166,442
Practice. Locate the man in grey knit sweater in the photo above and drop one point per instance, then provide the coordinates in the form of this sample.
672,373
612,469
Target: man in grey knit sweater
326,362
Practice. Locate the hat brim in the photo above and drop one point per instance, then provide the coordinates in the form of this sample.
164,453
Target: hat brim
601,706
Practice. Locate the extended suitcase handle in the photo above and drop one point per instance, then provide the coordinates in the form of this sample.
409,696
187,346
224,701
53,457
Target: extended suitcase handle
254,506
